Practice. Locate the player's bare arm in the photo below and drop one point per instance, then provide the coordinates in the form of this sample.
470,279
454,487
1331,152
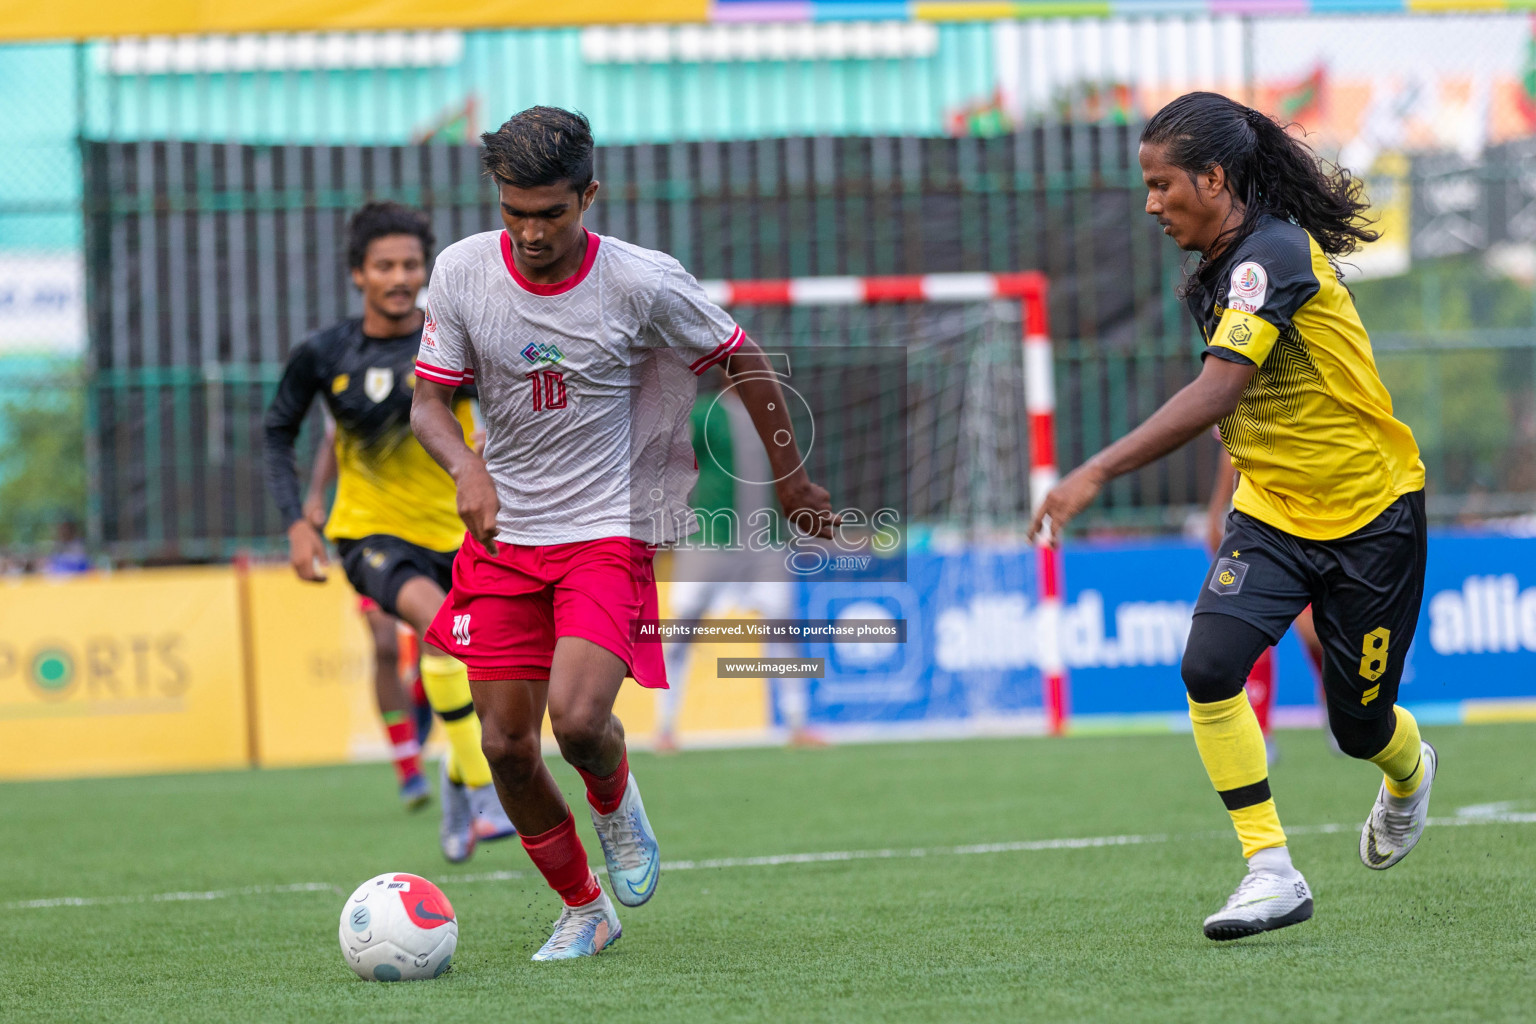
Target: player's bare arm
1195,409
441,434
1222,489
306,548
804,502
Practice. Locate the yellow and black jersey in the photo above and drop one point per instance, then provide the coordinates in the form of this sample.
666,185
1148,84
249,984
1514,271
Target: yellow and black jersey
386,482
1314,437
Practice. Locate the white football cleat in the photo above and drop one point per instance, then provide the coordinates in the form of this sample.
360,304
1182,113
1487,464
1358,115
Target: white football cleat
582,931
457,833
1397,822
491,821
1263,902
629,848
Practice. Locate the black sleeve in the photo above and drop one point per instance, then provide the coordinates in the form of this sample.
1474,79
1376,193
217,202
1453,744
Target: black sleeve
1228,355
281,427
1272,275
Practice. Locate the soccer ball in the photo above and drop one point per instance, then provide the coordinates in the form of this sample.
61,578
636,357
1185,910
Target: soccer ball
398,927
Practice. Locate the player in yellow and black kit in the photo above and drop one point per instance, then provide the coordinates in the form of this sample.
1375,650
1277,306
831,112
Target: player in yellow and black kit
395,518
1330,509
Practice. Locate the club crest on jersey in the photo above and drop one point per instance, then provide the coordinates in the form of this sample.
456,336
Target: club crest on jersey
378,382
1227,577
1249,288
537,352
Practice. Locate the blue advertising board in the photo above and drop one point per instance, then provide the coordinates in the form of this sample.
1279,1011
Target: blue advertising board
973,635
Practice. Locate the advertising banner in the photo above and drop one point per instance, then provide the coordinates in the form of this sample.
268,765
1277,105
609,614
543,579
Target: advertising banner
78,19
313,665
152,671
712,709
312,662
139,672
974,637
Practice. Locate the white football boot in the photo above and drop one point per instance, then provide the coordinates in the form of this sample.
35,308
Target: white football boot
583,931
1397,822
629,847
1264,901
457,834
491,821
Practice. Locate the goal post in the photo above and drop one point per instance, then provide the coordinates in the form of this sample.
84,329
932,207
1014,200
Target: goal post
1029,289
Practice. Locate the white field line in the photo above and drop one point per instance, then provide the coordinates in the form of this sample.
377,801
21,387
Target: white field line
773,860
172,897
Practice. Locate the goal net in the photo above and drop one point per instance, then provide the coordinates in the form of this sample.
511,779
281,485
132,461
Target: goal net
929,399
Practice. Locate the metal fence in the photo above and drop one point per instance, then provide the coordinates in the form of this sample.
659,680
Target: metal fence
208,262
214,178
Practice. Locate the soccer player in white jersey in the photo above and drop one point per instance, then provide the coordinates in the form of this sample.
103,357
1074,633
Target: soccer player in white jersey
585,350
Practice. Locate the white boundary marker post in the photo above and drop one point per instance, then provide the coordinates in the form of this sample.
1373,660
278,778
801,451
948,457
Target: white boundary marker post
1029,288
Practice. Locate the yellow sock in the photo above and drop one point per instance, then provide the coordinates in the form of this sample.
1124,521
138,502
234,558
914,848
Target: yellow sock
446,681
1401,760
1232,747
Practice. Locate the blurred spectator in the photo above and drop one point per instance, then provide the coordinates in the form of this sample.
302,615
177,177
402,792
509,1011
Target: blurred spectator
1476,508
68,557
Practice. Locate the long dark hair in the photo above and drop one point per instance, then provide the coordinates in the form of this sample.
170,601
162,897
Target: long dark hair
1268,170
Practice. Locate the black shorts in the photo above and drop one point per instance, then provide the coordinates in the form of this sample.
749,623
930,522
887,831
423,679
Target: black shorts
1364,588
379,565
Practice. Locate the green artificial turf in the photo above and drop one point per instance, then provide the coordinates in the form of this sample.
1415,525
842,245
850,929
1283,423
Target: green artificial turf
1108,932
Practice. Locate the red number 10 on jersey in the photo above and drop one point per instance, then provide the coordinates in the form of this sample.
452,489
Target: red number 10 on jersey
548,389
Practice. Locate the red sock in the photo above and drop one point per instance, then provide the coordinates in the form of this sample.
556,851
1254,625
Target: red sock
561,859
402,737
1261,688
606,792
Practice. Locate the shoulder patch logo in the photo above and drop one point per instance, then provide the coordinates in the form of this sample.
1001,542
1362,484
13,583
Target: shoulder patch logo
1249,287
1227,576
378,382
1240,335
340,383
429,330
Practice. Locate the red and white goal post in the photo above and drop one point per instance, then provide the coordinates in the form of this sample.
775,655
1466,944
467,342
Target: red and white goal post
1029,288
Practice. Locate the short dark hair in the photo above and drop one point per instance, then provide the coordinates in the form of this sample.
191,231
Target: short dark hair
383,217
540,146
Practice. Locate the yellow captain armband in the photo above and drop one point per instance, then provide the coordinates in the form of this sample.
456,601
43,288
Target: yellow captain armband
1245,334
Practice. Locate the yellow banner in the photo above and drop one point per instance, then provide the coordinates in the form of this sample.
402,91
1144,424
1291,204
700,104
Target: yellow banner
713,709
85,19
312,664
138,672
152,671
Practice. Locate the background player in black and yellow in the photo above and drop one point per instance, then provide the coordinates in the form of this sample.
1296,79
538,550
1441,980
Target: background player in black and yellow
397,687
1330,508
395,519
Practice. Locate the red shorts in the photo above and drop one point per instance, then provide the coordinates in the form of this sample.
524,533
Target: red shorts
505,611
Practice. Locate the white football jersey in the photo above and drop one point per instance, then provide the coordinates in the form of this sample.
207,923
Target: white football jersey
585,386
